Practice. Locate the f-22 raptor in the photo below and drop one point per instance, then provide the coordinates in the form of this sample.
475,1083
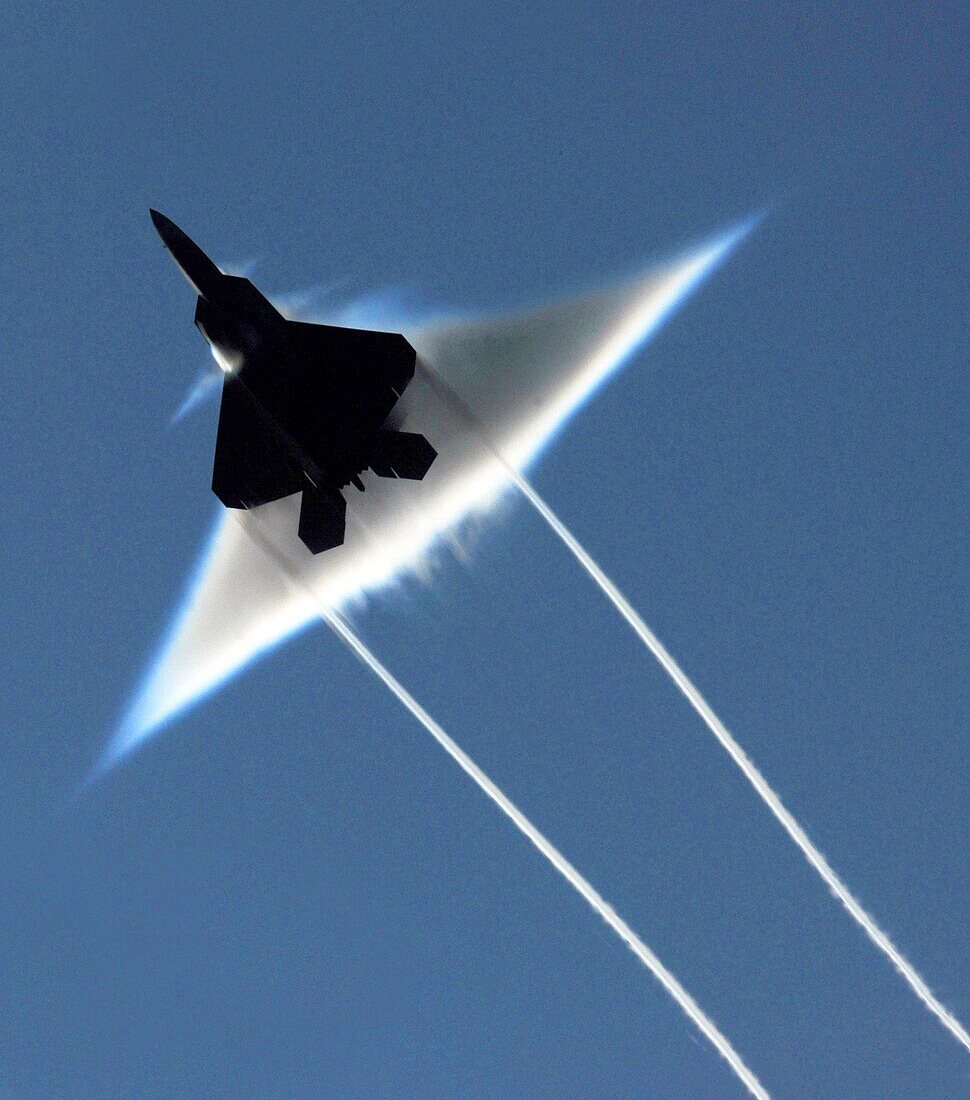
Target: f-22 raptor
304,407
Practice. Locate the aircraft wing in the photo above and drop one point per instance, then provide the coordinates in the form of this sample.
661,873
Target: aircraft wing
252,464
363,371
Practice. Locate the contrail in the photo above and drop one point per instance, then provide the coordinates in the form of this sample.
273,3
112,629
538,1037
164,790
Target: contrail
738,755
694,1012
714,724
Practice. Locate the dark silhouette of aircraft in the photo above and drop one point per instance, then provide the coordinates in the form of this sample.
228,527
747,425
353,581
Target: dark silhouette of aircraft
304,406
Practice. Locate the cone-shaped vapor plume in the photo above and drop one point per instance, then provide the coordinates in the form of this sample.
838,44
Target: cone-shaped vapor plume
522,376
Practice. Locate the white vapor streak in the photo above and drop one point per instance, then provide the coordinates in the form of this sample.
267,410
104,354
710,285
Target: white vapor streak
738,755
555,857
694,1012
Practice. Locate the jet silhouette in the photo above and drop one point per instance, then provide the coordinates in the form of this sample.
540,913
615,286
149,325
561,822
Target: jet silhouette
304,406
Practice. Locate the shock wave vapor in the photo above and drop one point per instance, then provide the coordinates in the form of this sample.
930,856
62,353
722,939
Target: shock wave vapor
305,407
520,375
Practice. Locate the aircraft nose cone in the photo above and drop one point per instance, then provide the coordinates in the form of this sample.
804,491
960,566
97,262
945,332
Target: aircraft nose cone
161,223
196,266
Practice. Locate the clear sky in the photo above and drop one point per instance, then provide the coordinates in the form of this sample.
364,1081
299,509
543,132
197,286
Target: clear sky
293,891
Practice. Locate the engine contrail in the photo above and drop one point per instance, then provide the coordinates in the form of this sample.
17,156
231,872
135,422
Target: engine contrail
694,1012
555,857
738,755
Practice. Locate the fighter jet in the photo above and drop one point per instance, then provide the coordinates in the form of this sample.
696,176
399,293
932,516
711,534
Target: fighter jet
305,407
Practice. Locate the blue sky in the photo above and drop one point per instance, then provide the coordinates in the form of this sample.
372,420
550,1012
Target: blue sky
293,891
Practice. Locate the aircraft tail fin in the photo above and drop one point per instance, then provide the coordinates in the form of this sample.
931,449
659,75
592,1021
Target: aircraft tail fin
323,517
402,454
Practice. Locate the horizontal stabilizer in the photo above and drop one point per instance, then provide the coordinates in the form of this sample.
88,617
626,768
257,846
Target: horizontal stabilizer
323,517
402,454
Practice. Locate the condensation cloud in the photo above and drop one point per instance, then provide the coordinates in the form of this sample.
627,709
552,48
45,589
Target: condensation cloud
520,376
